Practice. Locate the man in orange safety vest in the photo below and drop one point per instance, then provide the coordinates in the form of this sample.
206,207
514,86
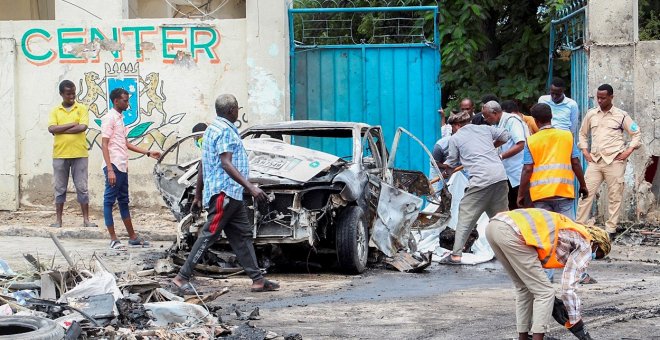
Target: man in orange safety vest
551,165
526,241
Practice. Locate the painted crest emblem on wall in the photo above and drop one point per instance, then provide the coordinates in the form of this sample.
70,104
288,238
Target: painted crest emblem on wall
146,118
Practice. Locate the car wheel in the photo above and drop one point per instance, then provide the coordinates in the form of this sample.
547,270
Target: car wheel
352,240
29,328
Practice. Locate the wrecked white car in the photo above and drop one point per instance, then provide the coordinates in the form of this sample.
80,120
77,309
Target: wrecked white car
343,204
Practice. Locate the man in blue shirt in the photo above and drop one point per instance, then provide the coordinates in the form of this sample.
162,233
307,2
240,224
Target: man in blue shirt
565,110
224,176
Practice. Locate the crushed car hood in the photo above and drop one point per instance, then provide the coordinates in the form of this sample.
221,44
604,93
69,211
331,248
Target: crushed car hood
271,157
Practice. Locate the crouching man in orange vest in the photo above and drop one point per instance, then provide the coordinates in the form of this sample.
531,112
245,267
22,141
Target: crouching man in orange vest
528,240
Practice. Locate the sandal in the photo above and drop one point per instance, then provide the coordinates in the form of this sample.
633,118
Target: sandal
139,241
55,225
116,245
268,286
449,260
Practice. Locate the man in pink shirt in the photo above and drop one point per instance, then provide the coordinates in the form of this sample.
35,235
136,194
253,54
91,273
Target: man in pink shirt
115,148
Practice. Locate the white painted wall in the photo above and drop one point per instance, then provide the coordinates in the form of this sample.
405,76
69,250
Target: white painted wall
268,60
8,132
248,62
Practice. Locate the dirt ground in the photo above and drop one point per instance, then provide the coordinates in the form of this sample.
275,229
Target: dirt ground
445,302
157,224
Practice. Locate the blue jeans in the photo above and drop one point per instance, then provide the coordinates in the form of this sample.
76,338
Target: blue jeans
562,206
117,193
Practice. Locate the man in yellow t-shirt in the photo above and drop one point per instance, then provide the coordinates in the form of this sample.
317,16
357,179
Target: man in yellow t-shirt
68,123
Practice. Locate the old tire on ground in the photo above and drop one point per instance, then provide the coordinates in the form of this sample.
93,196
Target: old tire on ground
29,328
352,240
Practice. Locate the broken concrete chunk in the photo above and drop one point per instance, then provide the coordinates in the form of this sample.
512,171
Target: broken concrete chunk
164,266
48,288
5,310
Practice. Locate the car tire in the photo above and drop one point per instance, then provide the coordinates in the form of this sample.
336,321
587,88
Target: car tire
29,328
352,240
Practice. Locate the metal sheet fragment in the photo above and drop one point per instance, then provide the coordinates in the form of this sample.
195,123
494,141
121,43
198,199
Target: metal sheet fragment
397,211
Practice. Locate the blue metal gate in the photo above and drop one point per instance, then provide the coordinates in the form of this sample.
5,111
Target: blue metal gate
383,81
567,36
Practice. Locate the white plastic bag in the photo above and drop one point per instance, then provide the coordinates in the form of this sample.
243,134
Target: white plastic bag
428,240
101,282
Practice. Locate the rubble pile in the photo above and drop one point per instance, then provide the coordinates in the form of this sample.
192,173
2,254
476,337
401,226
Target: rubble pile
644,234
94,303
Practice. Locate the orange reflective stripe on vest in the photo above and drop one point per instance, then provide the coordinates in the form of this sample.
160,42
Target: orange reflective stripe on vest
553,174
540,229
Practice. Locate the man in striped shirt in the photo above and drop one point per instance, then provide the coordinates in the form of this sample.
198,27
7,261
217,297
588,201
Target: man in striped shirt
528,240
224,177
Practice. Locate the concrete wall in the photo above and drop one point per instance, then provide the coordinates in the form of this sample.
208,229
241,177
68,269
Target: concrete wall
8,138
149,9
218,9
177,66
122,9
27,10
91,9
268,60
617,57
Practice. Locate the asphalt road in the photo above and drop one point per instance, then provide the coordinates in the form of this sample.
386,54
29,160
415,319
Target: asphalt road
445,302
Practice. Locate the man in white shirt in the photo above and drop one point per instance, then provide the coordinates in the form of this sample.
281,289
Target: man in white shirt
511,152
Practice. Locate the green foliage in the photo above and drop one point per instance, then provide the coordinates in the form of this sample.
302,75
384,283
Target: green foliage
649,20
496,46
487,46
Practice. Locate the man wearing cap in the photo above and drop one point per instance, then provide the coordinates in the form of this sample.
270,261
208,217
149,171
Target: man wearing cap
526,241
474,146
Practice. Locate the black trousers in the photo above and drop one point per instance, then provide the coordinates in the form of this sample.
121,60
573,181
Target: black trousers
513,197
230,215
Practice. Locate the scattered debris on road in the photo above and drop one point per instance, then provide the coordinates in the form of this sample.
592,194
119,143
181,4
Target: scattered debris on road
91,302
